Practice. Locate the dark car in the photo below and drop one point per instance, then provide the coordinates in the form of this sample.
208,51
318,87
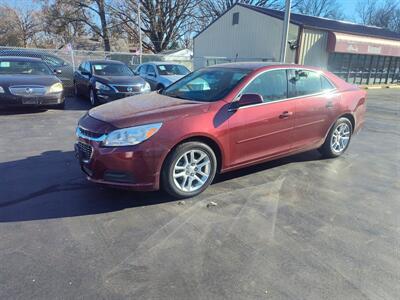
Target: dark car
216,120
57,64
29,81
107,80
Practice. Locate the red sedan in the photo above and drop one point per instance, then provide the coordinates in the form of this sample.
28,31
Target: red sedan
216,120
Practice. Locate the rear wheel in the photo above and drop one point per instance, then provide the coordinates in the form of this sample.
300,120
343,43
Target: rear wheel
189,170
93,97
61,106
338,139
160,87
76,91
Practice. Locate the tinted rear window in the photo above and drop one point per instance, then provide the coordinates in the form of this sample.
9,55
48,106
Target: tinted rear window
24,67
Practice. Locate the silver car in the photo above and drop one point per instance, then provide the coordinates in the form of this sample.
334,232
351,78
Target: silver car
161,74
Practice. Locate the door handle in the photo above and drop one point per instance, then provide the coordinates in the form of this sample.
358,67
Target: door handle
285,115
329,104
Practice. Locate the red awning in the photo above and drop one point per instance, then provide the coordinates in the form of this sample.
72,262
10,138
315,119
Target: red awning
349,43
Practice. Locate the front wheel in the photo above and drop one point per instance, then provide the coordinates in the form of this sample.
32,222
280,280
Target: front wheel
189,170
93,97
338,139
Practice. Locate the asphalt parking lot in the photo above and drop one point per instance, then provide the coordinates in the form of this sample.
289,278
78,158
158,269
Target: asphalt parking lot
296,228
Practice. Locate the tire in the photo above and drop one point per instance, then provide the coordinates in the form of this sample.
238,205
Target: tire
93,97
76,92
60,106
338,139
191,177
160,87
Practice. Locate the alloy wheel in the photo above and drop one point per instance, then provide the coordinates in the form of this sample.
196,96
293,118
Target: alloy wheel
340,138
192,170
92,99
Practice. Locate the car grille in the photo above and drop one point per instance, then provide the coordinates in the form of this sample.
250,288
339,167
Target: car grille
27,91
89,134
128,88
85,151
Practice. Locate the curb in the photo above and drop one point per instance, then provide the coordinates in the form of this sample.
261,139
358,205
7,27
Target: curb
372,87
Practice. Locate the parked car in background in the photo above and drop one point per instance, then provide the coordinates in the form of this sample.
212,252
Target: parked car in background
107,80
63,69
215,120
161,74
27,81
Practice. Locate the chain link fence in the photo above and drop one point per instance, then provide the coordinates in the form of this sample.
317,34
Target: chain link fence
67,61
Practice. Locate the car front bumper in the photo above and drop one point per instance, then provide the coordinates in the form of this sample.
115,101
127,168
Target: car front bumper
134,167
105,96
8,100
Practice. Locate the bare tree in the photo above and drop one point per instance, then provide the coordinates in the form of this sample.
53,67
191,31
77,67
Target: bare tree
163,23
385,14
320,8
18,27
93,14
212,9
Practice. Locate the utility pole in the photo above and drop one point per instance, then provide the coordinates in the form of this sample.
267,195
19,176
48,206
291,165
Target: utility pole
140,32
285,31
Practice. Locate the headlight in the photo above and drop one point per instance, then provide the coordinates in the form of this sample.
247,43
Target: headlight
1,90
102,87
131,136
146,88
56,88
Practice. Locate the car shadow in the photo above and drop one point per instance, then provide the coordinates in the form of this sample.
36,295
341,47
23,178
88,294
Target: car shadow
51,185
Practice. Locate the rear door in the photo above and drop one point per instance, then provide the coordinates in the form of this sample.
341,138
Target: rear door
263,130
316,103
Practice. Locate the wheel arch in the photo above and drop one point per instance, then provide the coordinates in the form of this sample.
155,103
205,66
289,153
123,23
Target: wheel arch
203,139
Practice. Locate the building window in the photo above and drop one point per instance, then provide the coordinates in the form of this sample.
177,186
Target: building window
365,69
235,18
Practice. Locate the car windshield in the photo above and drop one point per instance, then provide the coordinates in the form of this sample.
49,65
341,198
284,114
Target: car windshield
206,85
104,69
24,67
172,70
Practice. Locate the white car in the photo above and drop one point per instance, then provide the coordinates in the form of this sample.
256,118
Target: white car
161,74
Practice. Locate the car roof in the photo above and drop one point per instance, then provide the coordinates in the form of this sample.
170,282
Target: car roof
250,65
106,61
13,52
19,58
157,63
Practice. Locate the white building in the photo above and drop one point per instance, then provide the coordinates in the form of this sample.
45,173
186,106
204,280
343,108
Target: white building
358,53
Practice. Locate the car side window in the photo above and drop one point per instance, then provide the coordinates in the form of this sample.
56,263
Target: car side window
142,70
271,85
151,70
82,66
87,67
309,82
326,85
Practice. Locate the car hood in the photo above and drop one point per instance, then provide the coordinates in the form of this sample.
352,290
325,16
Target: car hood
122,80
11,80
146,108
172,78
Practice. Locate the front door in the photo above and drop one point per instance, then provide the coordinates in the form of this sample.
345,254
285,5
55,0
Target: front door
263,130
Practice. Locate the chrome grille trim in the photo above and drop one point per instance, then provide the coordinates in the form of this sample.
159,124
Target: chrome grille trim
121,88
88,135
28,90
86,151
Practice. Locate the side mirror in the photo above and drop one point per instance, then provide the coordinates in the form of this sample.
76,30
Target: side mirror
57,71
86,73
246,100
